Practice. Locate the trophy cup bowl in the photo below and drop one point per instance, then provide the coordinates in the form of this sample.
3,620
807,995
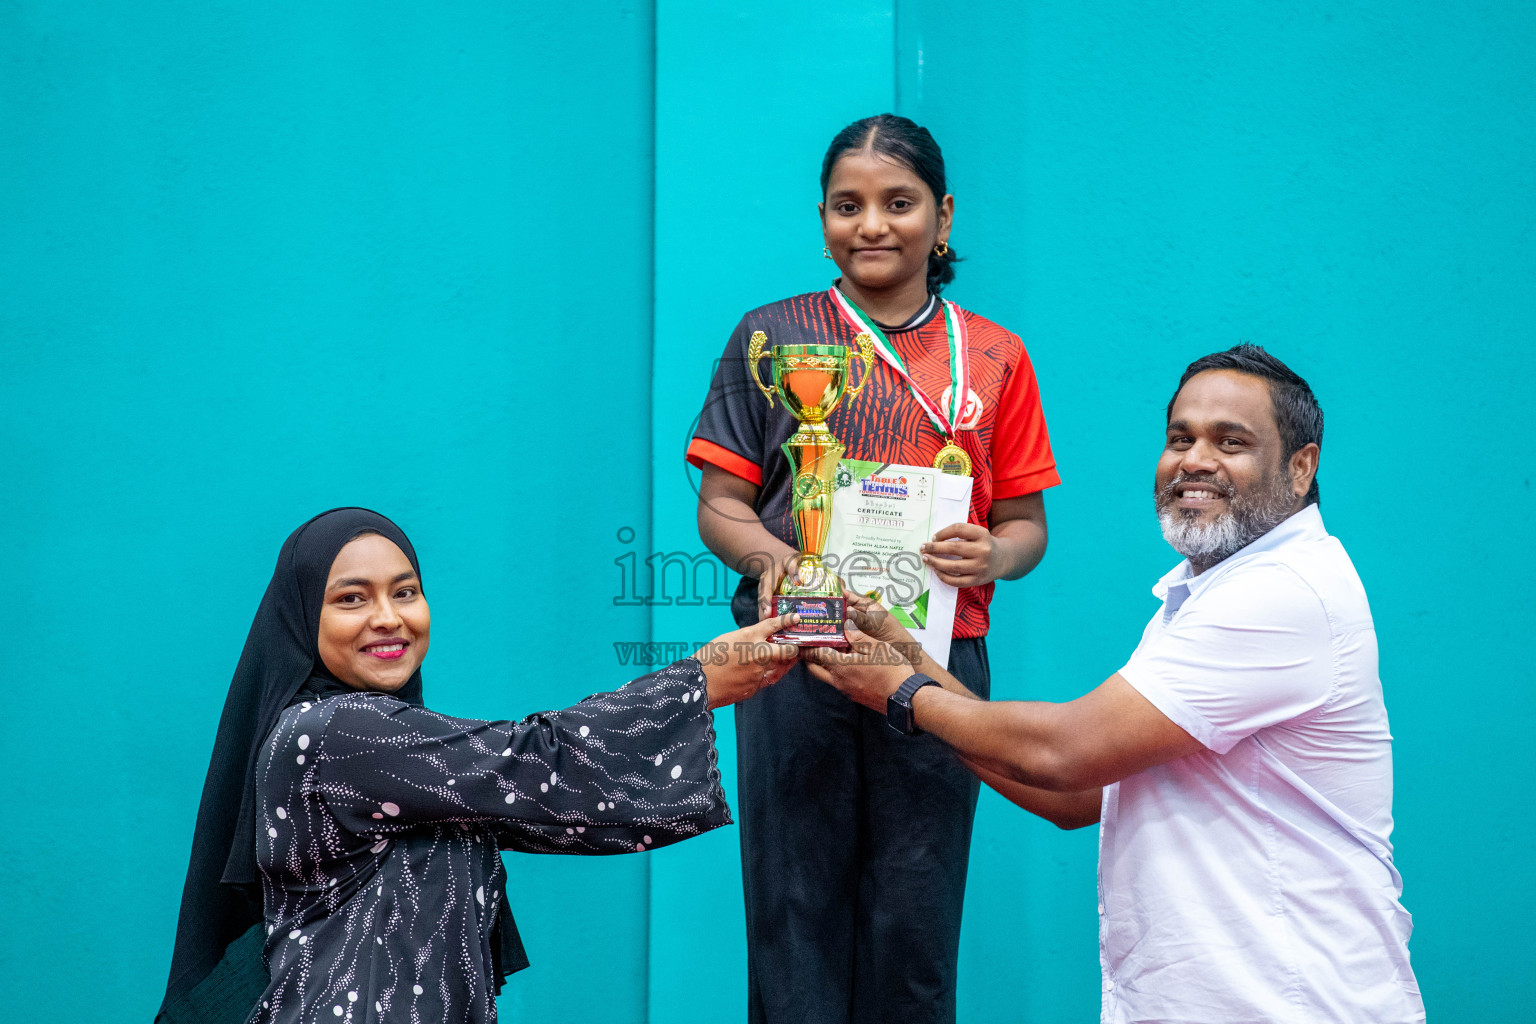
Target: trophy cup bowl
811,380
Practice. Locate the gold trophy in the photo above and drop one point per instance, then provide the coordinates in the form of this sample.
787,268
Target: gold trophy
811,380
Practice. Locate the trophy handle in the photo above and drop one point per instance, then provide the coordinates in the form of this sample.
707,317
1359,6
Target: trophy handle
754,356
866,354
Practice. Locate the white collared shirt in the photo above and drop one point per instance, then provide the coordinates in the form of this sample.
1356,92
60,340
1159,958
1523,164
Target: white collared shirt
1253,880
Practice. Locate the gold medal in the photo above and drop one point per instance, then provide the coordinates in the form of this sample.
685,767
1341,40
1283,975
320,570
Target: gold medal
952,460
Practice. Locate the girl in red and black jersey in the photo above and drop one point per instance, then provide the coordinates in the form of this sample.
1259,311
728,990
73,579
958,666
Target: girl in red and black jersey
855,838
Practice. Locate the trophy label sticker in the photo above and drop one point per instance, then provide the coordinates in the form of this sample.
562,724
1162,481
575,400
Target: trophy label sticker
821,618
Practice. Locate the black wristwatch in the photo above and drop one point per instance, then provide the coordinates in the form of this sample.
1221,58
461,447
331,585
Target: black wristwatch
898,706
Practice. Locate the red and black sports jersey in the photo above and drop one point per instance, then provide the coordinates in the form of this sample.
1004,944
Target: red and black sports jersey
1003,430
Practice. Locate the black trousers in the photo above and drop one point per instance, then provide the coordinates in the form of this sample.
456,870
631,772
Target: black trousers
855,842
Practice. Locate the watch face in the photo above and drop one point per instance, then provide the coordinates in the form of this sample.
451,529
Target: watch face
899,716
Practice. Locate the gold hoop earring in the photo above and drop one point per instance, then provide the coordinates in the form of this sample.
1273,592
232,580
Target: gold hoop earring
826,252
942,249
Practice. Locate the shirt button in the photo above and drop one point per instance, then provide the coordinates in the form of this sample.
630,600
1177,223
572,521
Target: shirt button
1109,985
1101,908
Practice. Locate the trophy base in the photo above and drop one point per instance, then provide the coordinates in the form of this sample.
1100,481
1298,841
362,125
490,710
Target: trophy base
820,625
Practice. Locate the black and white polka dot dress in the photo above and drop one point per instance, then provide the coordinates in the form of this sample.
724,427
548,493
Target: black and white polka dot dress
378,826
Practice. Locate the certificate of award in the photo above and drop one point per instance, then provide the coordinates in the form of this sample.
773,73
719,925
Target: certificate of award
882,513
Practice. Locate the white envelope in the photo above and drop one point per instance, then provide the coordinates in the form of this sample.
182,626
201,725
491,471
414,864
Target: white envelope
952,504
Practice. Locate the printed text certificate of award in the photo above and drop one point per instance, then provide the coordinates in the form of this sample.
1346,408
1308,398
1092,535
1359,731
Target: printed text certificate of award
881,514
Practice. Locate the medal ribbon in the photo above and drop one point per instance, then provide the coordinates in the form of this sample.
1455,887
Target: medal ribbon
945,421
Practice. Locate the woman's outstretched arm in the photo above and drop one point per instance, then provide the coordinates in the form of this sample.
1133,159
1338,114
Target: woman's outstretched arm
617,772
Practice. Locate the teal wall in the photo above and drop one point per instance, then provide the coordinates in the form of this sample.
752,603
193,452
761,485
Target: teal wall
254,263
257,261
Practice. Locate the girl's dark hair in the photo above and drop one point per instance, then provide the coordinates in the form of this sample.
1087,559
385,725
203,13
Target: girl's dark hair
908,143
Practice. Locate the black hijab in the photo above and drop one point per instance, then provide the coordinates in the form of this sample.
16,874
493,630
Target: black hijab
217,971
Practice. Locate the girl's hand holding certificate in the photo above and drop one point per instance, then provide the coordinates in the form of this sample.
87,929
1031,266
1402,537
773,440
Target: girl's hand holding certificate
964,555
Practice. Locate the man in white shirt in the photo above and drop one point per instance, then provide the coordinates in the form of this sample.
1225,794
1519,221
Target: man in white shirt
1239,763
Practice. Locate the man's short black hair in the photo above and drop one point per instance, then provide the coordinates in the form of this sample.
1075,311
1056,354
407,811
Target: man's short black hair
1297,413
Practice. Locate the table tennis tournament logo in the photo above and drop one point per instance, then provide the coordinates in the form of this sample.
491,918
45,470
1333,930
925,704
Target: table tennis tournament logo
814,609
878,486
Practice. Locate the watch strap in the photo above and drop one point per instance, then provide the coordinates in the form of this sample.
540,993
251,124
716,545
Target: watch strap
898,707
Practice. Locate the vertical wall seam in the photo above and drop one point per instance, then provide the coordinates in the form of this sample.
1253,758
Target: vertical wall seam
650,474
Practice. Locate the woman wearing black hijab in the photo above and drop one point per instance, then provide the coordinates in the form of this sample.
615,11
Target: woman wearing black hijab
344,865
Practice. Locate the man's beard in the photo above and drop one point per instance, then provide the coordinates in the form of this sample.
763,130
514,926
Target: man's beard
1249,516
